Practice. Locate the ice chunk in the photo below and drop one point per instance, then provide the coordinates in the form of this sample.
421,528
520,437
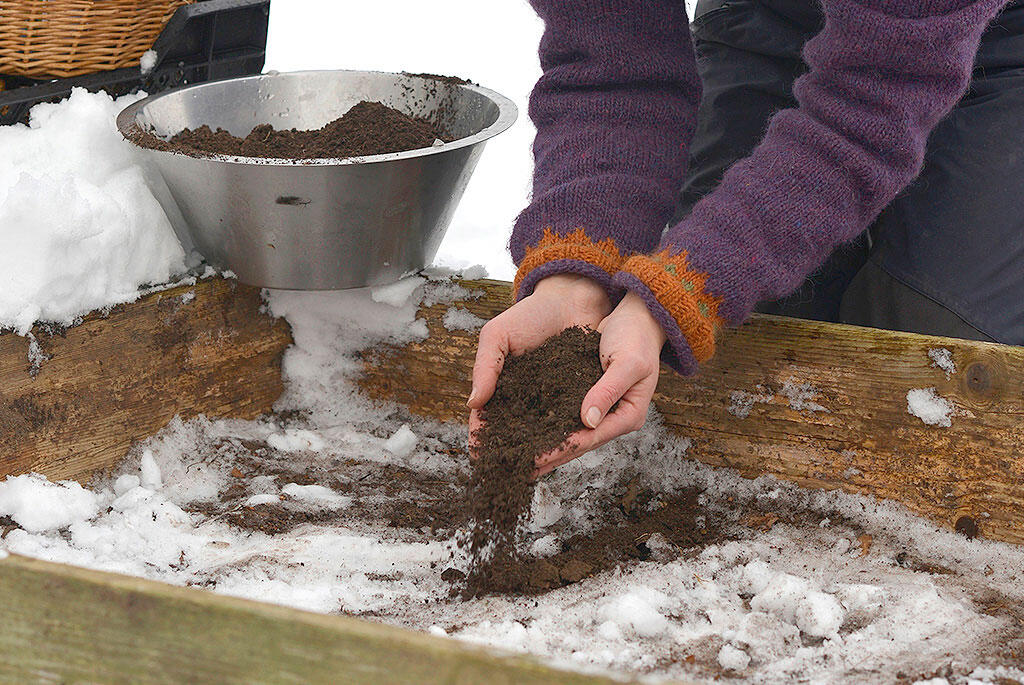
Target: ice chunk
546,508
473,273
402,442
927,405
149,471
819,614
460,319
609,630
126,482
148,61
257,500
317,494
638,611
37,505
397,294
732,659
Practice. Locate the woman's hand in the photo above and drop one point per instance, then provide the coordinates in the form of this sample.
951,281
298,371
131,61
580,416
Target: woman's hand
631,342
558,302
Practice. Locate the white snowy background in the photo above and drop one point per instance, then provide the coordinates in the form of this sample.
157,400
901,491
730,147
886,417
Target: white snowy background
491,43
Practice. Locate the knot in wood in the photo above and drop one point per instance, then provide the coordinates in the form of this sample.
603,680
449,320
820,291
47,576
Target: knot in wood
979,377
965,525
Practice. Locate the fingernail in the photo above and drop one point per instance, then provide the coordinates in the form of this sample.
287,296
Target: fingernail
593,417
472,396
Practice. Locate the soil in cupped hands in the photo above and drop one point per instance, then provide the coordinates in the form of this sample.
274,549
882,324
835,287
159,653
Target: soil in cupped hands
535,409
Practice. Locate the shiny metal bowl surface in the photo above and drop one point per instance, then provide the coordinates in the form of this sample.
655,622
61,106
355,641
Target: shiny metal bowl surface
325,223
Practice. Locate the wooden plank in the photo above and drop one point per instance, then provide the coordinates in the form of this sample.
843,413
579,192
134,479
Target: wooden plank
63,624
121,377
861,438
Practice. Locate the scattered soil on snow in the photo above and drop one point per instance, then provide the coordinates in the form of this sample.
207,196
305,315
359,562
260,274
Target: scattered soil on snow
369,128
534,410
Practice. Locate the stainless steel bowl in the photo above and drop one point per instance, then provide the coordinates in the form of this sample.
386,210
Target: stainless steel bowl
326,223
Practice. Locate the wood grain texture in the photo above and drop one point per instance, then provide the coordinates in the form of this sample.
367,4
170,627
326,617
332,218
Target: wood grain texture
62,624
827,409
121,377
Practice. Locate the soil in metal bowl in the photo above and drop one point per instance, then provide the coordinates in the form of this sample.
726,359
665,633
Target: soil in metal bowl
369,128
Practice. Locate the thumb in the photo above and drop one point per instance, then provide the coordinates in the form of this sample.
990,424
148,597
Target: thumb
619,377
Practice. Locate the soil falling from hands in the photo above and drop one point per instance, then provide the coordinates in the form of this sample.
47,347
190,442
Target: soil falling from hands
369,128
534,410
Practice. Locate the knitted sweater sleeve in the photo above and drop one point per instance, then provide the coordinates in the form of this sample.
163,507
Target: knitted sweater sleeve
615,111
882,75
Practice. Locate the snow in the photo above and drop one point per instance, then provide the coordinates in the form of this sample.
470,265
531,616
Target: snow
799,397
800,601
796,602
36,356
149,471
296,440
397,294
732,659
317,494
927,405
148,61
37,505
639,611
402,442
943,359
461,319
126,482
80,226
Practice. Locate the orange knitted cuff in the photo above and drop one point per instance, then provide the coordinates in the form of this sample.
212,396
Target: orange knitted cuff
681,291
576,245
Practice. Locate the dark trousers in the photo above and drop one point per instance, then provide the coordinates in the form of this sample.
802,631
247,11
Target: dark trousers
947,256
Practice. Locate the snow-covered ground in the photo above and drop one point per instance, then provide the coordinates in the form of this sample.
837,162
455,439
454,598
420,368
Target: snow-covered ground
795,586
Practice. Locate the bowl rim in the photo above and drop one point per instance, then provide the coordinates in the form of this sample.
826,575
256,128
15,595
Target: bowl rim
508,112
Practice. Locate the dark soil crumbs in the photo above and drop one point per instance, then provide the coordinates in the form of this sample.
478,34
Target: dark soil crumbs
534,410
369,128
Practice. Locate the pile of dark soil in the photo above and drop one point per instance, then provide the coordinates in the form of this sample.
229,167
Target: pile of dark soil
534,410
630,520
369,128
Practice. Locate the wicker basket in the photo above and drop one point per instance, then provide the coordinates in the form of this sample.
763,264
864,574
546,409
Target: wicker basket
61,38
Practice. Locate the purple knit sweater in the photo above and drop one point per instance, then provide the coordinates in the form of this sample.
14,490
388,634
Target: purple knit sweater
615,112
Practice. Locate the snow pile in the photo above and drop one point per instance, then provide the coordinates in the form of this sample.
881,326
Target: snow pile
80,228
927,405
37,505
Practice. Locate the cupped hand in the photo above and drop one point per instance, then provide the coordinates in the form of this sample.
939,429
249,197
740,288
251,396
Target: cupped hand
631,342
557,302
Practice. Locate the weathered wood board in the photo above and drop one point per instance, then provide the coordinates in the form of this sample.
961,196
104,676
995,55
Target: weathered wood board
121,377
822,405
61,624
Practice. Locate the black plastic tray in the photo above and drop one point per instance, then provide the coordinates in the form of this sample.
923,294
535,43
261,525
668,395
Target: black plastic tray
204,41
